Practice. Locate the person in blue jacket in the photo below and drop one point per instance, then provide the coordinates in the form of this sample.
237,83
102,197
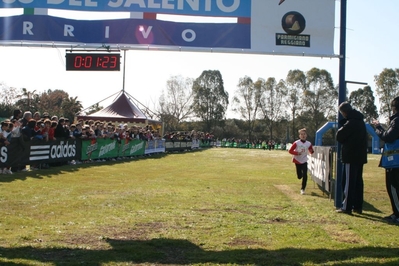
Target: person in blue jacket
391,175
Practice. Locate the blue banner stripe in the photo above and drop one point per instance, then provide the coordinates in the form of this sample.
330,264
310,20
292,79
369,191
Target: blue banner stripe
216,8
125,31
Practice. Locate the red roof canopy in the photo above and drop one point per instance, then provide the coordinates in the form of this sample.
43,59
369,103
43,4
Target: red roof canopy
121,110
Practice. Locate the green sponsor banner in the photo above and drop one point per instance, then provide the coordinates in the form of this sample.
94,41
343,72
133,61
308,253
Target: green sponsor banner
132,147
109,148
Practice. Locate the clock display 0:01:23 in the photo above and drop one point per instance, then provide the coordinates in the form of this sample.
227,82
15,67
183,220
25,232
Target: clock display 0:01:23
93,62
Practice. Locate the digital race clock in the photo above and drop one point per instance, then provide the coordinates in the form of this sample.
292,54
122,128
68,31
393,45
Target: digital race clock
93,61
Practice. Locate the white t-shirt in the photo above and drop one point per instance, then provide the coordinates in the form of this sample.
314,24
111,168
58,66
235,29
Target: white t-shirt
303,147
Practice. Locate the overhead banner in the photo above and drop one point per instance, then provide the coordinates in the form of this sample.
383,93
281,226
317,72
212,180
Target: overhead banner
304,27
214,8
39,28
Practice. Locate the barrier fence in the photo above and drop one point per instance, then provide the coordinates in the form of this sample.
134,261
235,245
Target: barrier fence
34,152
20,152
243,145
320,166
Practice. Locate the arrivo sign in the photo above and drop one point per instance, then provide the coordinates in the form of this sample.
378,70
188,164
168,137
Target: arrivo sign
93,61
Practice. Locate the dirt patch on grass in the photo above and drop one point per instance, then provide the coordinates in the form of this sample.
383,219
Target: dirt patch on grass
342,234
244,242
226,210
294,195
97,240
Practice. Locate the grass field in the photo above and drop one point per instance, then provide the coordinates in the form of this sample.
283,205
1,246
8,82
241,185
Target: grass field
210,207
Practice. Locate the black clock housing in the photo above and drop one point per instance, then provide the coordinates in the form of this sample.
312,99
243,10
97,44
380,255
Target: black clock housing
93,61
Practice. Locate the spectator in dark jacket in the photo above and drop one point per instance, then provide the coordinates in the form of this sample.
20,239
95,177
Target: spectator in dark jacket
28,131
60,129
77,133
17,114
353,139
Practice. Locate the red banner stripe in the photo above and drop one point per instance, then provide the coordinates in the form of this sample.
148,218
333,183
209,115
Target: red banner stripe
243,20
150,15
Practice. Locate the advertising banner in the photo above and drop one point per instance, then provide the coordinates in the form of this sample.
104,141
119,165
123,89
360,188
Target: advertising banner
20,152
293,27
108,148
178,145
320,168
40,28
155,146
134,147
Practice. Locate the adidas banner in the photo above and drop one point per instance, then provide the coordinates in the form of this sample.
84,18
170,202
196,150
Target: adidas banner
20,152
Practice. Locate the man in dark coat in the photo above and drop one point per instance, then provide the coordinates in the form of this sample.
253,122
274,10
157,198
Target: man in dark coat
59,131
353,139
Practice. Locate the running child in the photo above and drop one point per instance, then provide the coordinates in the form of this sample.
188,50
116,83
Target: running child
300,149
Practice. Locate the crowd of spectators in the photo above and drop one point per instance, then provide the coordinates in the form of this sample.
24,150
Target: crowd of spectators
208,138
43,127
266,145
204,137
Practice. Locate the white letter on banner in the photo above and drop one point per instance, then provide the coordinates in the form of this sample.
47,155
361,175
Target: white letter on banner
4,155
90,3
54,2
27,28
147,32
232,8
193,35
68,30
106,32
167,5
194,4
208,5
75,2
118,3
151,4
128,3
79,3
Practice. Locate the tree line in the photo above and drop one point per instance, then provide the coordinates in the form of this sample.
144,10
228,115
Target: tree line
269,109
54,102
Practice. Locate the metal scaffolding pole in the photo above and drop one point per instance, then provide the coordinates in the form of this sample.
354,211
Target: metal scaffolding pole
341,98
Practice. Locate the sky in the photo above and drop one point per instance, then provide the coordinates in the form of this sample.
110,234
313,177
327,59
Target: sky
372,45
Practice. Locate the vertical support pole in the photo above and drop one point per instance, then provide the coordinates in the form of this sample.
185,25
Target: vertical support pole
341,98
124,70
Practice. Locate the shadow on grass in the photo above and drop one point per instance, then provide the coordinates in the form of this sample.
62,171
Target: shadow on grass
55,170
369,207
182,252
64,167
